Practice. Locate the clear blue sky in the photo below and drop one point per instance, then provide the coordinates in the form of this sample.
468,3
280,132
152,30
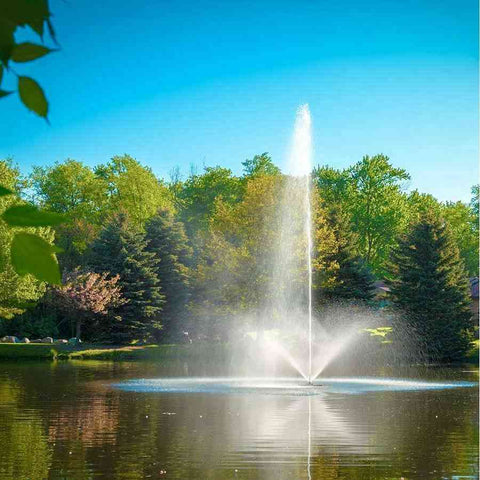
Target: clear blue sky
215,82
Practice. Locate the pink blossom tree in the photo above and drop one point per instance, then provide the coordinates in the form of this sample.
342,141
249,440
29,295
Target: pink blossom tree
87,295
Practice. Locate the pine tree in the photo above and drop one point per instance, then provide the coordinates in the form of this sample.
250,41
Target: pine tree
347,275
120,250
431,287
168,242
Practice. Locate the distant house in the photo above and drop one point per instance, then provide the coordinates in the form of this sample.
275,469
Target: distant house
474,295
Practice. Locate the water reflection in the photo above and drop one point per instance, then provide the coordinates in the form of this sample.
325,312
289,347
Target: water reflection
66,421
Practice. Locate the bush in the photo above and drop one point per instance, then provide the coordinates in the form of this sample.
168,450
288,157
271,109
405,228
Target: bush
31,326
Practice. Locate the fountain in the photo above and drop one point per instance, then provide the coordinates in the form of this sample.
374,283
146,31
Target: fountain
290,308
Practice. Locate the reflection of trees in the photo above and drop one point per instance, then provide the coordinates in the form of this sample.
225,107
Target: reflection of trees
24,450
61,421
93,423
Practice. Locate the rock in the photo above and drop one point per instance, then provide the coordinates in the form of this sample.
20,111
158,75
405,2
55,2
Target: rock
37,340
25,340
9,339
61,340
47,340
74,341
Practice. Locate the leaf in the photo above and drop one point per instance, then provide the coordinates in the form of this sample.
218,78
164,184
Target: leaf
30,216
26,52
4,93
32,254
5,191
32,96
7,40
1,73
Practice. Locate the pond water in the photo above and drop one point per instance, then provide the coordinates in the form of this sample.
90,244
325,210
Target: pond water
75,420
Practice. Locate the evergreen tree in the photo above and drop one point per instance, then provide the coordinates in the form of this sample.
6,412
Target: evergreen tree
347,274
120,250
431,287
168,242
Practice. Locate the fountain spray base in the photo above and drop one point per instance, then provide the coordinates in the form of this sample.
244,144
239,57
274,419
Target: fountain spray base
281,386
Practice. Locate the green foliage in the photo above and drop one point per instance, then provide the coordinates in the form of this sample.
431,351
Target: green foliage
463,225
371,191
30,216
260,165
168,242
431,288
33,323
17,285
380,333
133,189
16,14
31,254
199,193
27,51
120,250
474,203
346,276
5,191
70,187
32,96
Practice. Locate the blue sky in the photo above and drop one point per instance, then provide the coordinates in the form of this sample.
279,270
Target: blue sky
210,82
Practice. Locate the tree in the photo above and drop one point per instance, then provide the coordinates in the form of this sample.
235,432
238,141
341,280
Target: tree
72,188
371,191
431,287
260,165
133,189
18,290
235,266
167,240
347,275
121,250
377,205
199,194
86,297
463,224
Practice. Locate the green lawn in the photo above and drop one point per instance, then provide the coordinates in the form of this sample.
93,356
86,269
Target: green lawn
99,352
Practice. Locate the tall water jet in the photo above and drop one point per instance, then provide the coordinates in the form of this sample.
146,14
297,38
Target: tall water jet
300,163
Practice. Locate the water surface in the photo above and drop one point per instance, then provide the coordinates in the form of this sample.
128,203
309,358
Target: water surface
68,420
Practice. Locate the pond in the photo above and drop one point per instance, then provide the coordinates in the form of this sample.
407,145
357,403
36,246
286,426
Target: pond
70,420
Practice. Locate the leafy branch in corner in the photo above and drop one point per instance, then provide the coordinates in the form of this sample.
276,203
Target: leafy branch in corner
36,15
29,252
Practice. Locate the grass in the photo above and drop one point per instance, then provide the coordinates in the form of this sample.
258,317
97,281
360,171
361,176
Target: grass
15,351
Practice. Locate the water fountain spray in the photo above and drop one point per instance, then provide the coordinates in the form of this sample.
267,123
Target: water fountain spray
301,165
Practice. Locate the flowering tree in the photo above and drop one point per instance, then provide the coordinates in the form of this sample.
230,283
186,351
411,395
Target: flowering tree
87,295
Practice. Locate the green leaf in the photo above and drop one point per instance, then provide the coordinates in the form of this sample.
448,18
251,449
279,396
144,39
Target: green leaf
26,52
1,73
32,254
32,96
5,191
7,40
4,93
30,216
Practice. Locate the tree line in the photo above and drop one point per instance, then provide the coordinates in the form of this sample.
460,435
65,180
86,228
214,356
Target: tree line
144,258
